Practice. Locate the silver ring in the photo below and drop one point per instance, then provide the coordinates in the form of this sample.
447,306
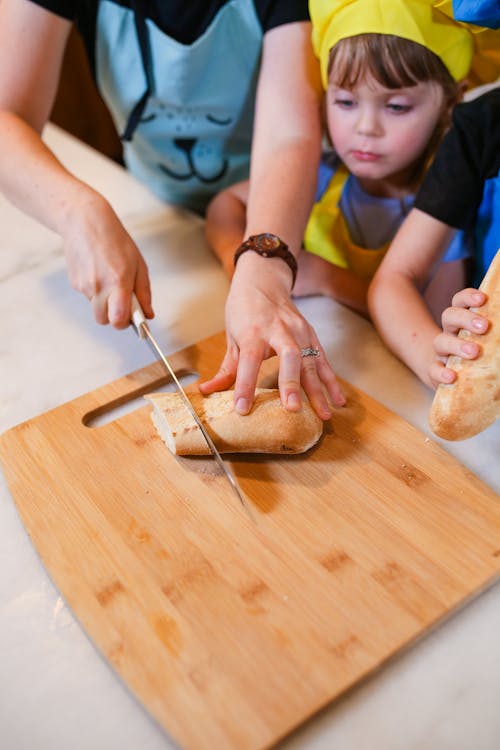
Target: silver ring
309,352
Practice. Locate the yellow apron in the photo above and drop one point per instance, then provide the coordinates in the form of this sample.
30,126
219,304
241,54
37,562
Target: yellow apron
327,234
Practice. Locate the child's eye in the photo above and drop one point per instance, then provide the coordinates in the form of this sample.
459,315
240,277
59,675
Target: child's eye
398,108
344,102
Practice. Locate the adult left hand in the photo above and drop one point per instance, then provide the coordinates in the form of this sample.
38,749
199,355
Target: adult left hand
261,321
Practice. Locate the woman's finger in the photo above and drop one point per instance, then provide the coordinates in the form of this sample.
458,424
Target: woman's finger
329,380
119,307
251,355
226,374
142,288
100,308
313,387
289,373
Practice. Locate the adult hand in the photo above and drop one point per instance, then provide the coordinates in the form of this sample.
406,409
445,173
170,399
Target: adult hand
104,263
458,316
261,321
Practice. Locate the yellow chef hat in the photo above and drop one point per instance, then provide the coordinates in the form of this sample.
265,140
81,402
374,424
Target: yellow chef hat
461,46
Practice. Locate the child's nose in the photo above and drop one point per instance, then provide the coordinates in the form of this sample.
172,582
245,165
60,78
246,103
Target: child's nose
369,122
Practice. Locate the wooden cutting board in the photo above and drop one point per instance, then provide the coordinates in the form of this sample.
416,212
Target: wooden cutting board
230,632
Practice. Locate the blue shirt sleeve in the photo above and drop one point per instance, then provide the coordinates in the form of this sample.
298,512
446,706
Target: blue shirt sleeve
461,247
479,12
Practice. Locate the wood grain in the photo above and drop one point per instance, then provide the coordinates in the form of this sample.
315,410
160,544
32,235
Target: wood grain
233,633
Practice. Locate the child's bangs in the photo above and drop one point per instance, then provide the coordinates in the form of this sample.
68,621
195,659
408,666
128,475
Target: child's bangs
392,61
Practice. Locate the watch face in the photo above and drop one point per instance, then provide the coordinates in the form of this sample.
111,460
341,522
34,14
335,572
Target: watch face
268,241
269,246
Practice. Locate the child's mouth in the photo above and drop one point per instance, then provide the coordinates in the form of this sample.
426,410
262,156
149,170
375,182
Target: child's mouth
365,155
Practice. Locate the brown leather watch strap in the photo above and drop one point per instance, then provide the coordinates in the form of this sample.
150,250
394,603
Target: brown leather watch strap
268,246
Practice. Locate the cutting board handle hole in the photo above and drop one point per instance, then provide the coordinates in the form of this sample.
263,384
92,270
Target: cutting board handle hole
131,401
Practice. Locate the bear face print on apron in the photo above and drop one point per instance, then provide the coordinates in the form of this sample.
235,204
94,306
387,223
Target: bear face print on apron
194,133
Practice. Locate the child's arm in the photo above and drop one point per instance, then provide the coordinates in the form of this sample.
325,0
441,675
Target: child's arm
225,221
458,316
395,301
318,276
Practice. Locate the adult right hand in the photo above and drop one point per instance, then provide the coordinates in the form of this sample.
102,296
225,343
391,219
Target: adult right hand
104,262
447,342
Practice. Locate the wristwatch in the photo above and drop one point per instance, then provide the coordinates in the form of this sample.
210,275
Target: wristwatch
269,246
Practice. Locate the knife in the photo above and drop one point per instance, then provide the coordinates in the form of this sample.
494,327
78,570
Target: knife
142,329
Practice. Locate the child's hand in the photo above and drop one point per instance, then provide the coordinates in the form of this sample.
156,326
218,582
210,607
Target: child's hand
454,318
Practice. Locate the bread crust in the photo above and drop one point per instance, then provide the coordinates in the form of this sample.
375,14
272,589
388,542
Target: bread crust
472,403
268,428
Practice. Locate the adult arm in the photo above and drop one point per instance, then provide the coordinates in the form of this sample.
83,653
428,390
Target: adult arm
261,318
103,261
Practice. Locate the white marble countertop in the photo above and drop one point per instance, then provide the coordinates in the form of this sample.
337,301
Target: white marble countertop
56,691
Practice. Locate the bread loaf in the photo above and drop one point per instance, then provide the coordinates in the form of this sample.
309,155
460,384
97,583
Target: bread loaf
470,404
268,428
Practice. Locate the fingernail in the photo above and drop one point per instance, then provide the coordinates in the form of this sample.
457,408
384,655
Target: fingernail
293,401
479,324
469,349
242,405
115,315
448,376
477,298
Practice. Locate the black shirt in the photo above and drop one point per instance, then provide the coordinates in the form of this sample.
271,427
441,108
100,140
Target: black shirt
469,156
183,21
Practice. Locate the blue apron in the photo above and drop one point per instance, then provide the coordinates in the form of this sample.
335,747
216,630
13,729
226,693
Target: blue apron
194,104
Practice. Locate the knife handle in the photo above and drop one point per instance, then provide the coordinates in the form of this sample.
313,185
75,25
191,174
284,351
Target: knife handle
137,317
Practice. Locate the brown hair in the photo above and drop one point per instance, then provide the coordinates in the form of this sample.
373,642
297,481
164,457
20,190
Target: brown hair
395,63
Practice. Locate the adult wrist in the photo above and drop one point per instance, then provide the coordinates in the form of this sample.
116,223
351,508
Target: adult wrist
268,245
82,205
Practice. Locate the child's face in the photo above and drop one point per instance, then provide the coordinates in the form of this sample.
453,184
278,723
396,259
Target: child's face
380,133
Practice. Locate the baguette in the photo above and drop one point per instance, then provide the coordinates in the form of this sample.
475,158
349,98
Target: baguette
472,403
268,428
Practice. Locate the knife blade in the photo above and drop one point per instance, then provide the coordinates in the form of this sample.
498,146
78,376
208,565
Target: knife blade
143,331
